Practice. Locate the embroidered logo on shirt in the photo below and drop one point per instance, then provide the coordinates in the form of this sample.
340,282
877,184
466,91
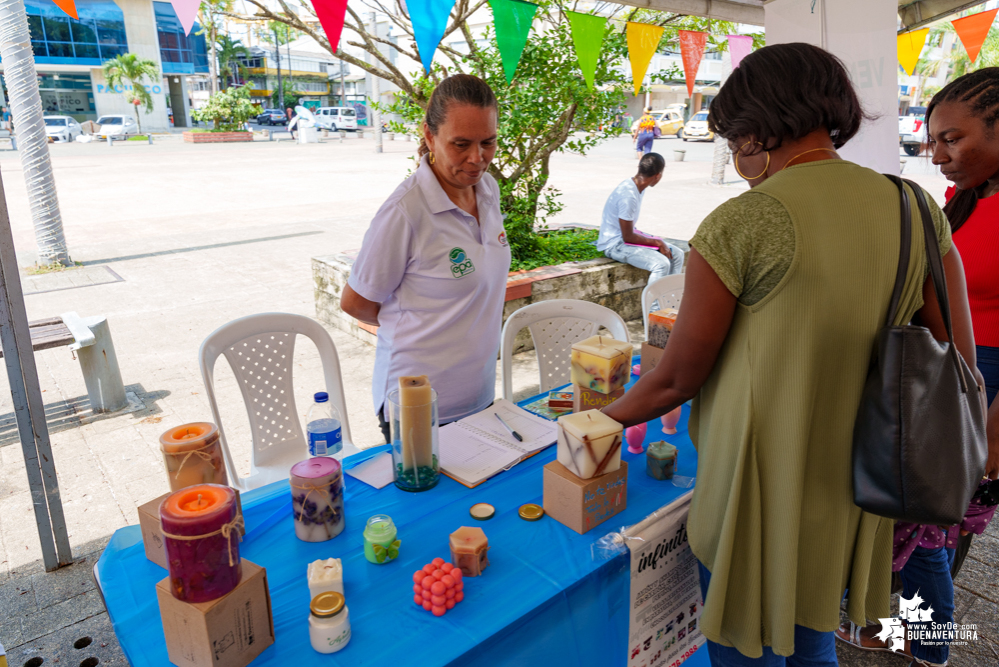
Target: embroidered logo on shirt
502,238
461,265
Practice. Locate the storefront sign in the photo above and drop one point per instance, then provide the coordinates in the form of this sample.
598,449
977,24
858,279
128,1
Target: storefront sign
154,89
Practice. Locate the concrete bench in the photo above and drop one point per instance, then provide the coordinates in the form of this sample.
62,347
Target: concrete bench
48,333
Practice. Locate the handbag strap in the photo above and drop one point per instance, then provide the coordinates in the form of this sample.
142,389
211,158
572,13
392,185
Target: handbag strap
904,251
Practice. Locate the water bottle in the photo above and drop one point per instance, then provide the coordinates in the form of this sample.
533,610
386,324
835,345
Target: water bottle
322,425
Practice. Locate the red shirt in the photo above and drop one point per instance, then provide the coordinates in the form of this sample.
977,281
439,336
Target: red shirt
978,242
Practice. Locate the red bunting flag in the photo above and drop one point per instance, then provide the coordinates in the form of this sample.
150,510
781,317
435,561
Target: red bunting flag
973,30
68,6
330,14
692,45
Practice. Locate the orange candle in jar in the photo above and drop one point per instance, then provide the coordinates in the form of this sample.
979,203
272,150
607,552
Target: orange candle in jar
193,455
202,542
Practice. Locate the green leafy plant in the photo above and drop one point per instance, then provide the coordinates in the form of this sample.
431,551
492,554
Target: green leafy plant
228,109
229,52
291,97
128,71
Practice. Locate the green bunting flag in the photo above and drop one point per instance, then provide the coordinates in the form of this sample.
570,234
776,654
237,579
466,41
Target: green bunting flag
587,36
513,19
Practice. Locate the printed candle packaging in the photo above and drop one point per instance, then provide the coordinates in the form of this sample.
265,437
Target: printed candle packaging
317,499
601,363
413,415
193,455
202,543
589,443
661,326
660,460
380,539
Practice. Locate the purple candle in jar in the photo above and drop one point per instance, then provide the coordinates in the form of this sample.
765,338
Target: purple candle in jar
317,499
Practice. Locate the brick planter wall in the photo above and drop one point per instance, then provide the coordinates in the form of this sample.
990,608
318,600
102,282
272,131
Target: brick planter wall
217,137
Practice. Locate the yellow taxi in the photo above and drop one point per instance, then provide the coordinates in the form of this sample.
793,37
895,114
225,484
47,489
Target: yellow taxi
670,122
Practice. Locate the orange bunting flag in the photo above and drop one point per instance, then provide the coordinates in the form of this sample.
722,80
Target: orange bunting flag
68,6
692,45
910,45
973,30
643,42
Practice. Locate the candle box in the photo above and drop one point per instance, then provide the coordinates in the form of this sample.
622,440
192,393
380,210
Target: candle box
587,399
560,401
152,534
228,632
582,504
661,326
601,363
650,357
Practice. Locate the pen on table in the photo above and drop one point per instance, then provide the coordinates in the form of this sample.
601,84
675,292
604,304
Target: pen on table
512,432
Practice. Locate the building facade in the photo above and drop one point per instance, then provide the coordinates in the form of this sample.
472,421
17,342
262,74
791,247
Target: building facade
306,70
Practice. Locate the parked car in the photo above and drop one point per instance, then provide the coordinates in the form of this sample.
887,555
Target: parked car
117,125
62,128
697,128
670,122
910,133
336,118
272,117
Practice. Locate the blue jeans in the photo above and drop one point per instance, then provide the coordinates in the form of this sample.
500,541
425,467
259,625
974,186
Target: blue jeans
927,573
650,259
644,142
988,365
811,647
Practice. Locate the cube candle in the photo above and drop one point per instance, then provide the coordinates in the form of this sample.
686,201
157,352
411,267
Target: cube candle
601,363
468,550
661,326
589,443
325,576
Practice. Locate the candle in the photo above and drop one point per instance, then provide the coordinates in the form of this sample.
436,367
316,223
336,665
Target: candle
380,543
325,576
635,435
660,460
469,547
671,419
438,587
601,364
414,434
201,541
317,499
193,455
589,443
661,324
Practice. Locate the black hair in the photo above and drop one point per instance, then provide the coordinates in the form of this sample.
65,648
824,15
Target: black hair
783,93
651,164
979,90
460,89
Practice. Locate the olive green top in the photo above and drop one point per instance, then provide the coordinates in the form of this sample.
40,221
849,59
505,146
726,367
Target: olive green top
772,517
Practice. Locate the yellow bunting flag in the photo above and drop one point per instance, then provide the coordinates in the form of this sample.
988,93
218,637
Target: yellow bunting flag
973,30
910,45
643,42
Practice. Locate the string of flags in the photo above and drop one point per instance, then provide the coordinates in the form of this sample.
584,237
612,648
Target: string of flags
971,30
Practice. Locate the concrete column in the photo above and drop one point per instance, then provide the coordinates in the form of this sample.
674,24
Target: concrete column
140,31
178,100
862,34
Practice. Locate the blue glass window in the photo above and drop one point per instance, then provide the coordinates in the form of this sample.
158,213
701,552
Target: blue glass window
57,39
180,53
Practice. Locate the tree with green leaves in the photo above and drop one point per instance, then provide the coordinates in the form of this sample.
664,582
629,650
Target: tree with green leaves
211,16
229,52
228,109
291,96
128,71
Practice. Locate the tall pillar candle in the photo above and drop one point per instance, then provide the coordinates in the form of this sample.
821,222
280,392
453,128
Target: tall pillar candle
413,408
202,542
193,455
317,499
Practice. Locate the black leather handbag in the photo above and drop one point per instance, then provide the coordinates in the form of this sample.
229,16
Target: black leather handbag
919,445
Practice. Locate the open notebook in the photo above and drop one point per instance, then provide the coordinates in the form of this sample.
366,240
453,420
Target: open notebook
475,448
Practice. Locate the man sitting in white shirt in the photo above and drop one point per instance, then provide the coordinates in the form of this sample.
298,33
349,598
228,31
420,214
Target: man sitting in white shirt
620,240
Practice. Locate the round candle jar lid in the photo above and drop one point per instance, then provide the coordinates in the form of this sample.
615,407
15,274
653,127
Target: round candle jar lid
531,512
326,605
314,468
482,511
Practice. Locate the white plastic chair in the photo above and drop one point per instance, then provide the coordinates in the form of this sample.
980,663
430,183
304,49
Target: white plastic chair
555,325
260,350
668,291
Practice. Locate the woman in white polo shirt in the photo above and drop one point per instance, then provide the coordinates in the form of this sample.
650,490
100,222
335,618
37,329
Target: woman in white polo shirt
431,274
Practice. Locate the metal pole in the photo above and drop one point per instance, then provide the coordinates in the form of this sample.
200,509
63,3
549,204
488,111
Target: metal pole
343,91
376,94
287,37
28,407
277,56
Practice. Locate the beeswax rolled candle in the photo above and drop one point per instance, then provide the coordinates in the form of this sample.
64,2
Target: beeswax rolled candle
193,455
601,364
589,443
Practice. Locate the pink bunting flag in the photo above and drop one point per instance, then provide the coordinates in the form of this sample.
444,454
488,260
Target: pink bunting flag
739,47
187,11
331,13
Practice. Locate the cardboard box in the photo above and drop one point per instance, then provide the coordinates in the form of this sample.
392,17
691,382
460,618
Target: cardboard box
587,399
582,504
152,535
228,632
650,357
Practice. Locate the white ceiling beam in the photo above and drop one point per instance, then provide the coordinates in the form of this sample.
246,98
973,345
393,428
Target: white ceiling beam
739,11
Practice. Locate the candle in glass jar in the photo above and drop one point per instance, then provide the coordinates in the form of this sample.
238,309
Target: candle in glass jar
381,543
317,499
193,455
202,543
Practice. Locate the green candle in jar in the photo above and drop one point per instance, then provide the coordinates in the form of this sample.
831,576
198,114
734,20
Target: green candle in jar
380,539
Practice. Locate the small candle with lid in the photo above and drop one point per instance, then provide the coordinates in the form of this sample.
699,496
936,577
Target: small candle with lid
193,455
329,622
201,542
381,543
317,499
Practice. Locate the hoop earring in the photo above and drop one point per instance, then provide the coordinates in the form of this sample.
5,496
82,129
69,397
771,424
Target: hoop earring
431,159
735,161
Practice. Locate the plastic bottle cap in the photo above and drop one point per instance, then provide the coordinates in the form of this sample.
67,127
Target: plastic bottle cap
326,605
322,397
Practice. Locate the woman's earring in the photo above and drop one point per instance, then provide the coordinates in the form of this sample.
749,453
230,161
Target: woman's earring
431,159
735,161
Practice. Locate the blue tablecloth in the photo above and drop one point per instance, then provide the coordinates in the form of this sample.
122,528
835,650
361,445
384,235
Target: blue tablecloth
544,600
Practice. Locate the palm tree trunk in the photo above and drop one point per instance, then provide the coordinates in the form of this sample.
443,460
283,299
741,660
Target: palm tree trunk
212,61
26,107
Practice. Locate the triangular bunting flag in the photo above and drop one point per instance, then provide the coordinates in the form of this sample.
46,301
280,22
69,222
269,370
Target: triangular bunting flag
692,45
68,6
643,42
910,45
330,14
973,30
588,37
739,47
187,11
429,19
513,19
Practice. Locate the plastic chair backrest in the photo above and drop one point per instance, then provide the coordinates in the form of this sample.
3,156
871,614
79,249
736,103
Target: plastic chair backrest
555,325
260,350
668,291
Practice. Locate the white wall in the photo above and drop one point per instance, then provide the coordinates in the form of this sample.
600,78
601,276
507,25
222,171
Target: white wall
140,31
107,101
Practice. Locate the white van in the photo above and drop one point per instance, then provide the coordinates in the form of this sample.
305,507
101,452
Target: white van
336,118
